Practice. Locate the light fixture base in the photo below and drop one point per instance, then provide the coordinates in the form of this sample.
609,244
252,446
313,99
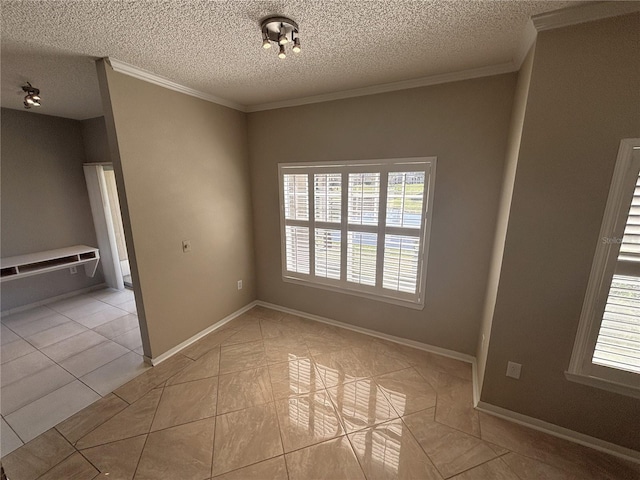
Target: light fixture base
280,30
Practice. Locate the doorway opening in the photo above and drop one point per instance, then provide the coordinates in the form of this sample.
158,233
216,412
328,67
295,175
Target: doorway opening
107,218
116,220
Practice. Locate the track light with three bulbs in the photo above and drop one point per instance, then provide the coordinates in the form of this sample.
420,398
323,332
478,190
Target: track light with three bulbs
32,99
281,31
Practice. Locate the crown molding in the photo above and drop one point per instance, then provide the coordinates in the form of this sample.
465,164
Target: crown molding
390,87
527,40
145,75
582,13
150,77
538,23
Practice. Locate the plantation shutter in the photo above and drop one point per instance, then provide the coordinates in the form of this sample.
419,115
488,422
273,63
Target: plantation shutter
618,344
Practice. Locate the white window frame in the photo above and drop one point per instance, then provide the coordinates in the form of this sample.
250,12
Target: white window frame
383,166
581,368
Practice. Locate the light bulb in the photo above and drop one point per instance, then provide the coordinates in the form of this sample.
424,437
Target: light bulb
266,43
282,54
296,45
29,100
282,39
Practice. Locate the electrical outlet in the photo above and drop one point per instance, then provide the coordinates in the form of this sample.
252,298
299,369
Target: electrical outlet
239,284
73,270
513,370
186,246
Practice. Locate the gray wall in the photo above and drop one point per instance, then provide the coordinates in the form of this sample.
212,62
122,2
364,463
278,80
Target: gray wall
44,200
584,97
94,136
182,169
504,208
464,124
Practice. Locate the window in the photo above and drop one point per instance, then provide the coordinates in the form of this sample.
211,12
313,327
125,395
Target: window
358,227
607,348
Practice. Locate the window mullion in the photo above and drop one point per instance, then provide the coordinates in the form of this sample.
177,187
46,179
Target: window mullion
312,229
344,220
382,220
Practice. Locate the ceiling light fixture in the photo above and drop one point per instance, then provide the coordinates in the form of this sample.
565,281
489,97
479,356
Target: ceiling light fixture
265,41
32,99
280,30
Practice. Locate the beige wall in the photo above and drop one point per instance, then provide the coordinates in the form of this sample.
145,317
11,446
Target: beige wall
511,163
45,204
94,135
183,174
583,98
465,125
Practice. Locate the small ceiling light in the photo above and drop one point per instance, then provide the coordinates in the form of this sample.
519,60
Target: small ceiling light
265,41
32,99
280,30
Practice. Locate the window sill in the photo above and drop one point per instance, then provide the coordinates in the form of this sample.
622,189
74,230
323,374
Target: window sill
378,298
603,384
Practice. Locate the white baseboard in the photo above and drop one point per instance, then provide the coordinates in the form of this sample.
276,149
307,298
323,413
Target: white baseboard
384,336
169,353
560,432
45,301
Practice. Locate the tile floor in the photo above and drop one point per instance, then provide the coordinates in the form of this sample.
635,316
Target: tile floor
61,357
273,396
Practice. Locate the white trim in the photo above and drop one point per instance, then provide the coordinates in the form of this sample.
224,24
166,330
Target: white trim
151,77
603,384
541,22
46,301
527,40
169,353
373,333
390,87
103,224
147,76
582,13
352,291
384,166
613,222
560,432
476,383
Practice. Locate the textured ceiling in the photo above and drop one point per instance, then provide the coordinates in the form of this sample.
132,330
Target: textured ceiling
215,46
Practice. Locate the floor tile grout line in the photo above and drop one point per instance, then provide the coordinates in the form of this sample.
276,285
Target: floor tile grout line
13,430
422,376
420,445
62,386
215,421
149,431
5,415
264,404
100,366
62,367
93,428
501,460
275,412
353,450
54,466
53,312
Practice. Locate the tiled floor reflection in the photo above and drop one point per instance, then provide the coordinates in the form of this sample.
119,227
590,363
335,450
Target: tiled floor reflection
274,396
61,357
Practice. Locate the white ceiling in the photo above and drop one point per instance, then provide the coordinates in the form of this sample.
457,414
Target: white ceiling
215,46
